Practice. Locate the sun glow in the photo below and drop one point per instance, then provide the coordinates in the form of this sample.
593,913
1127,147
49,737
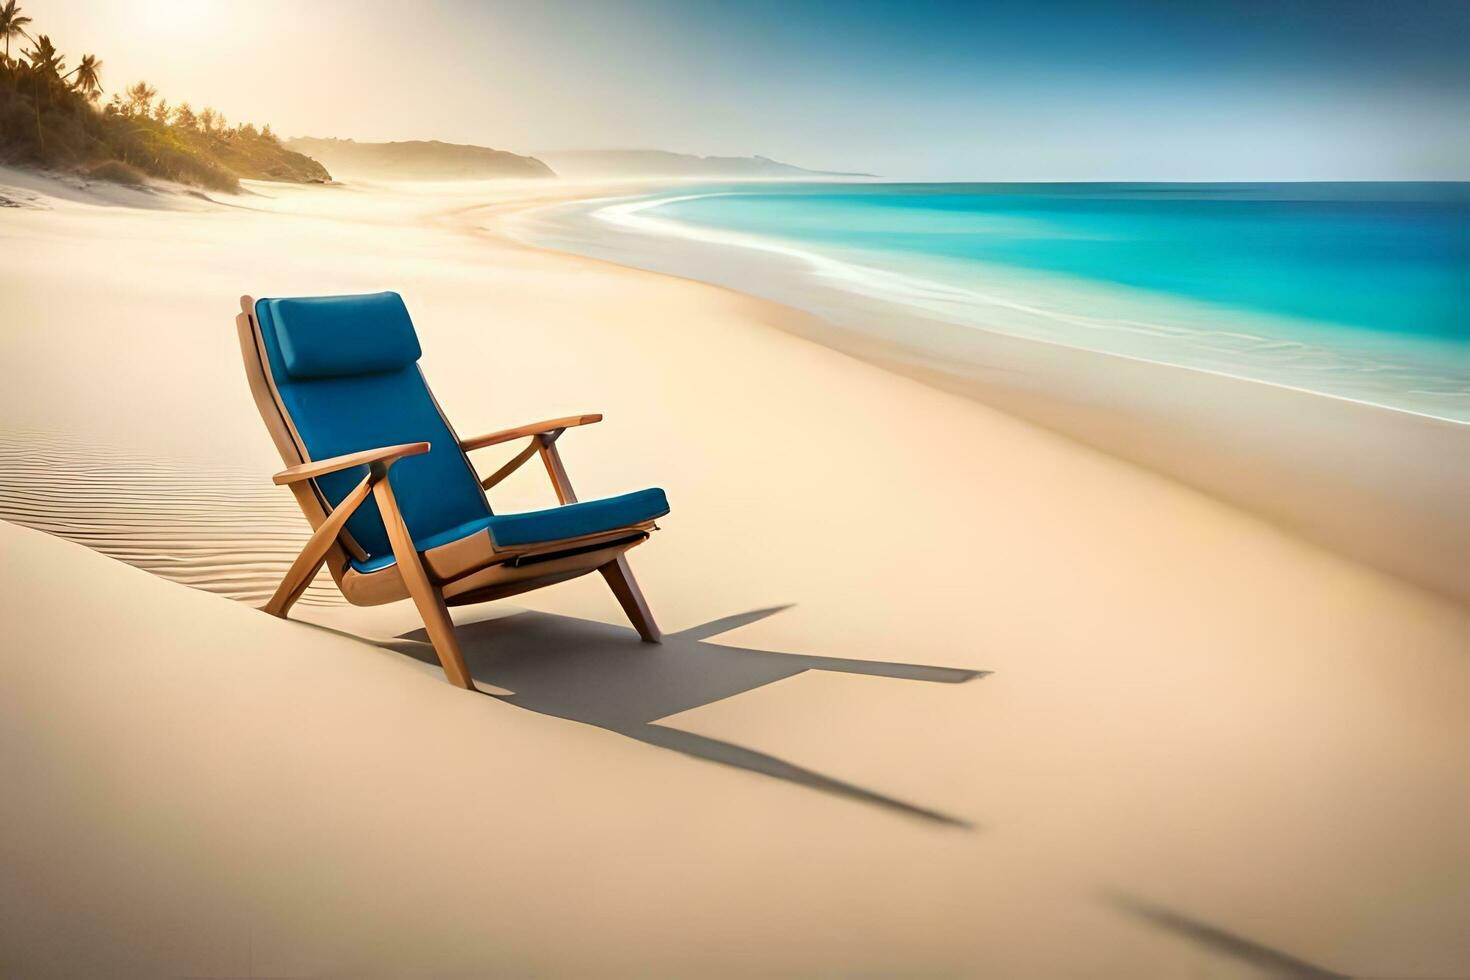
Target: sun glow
179,20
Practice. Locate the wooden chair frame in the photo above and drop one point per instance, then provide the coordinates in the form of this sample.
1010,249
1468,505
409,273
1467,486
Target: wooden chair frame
418,575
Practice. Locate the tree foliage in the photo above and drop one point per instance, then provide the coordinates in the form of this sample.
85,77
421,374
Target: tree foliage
48,117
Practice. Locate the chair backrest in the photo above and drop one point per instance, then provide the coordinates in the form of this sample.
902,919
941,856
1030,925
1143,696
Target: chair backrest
345,376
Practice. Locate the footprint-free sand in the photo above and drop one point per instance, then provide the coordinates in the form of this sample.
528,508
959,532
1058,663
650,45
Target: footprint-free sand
945,693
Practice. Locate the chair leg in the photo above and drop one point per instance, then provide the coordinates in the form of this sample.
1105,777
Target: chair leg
294,584
441,634
427,597
617,572
314,554
620,579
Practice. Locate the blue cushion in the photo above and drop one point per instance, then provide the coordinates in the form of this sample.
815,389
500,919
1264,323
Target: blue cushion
575,520
541,526
336,415
342,336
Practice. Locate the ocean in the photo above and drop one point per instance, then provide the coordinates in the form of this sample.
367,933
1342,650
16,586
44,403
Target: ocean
1357,290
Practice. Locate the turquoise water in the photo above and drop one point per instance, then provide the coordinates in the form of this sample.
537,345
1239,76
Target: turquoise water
1360,290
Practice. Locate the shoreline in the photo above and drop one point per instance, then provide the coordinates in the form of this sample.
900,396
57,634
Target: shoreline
614,228
1378,483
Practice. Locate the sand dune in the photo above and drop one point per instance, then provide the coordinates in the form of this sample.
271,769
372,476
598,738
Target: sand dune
1027,710
226,531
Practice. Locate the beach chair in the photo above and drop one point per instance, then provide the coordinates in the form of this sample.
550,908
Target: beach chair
395,506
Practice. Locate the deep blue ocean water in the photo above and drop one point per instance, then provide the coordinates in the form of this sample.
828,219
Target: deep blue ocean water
1356,289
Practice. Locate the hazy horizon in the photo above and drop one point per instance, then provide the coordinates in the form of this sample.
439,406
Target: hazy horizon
940,91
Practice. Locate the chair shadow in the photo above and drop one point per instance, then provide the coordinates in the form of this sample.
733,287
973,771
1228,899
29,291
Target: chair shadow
605,676
1271,962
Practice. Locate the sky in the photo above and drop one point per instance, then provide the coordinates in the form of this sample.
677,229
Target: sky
1184,90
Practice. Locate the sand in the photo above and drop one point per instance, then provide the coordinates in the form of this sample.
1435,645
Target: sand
945,693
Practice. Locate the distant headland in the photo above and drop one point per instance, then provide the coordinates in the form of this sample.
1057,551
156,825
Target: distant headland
662,163
418,160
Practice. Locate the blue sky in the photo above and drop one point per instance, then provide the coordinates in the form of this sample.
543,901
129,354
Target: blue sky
1011,90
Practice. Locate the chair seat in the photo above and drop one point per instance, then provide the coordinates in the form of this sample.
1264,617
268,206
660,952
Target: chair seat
543,526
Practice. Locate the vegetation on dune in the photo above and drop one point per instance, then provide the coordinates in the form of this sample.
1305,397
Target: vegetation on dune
49,117
117,172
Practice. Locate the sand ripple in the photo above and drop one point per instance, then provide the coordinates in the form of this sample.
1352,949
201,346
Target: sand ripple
230,532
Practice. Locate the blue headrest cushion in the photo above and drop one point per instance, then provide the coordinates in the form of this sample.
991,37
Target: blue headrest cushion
340,336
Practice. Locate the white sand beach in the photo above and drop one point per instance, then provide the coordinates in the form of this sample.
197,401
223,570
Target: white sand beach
945,693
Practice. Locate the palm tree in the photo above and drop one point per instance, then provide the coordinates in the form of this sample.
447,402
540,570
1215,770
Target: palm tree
44,58
88,80
12,23
46,67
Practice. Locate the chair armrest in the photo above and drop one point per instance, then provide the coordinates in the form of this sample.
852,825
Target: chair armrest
387,456
520,432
